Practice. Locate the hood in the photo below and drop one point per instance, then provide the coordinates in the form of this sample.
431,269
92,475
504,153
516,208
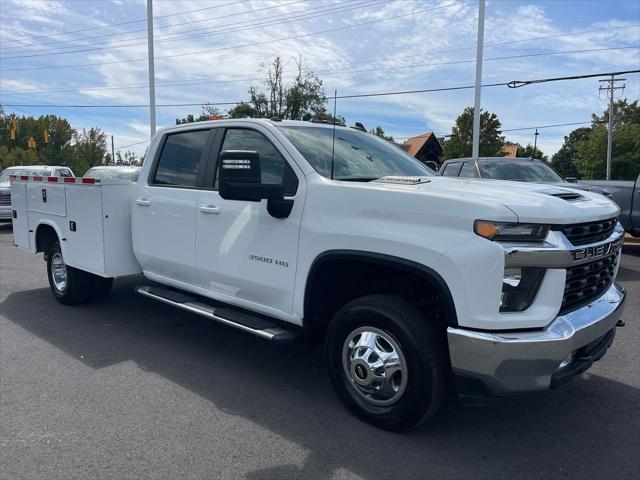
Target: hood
530,202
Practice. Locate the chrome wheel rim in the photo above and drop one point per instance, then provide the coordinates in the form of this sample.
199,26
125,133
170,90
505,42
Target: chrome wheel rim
375,366
58,272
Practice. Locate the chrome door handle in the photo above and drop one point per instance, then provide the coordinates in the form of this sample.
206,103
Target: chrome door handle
210,209
143,202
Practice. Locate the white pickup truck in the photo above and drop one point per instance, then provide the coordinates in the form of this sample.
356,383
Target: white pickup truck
298,230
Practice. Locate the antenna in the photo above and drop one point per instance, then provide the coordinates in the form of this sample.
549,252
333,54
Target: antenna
333,141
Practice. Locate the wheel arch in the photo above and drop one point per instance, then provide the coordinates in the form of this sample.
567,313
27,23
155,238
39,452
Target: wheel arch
46,234
334,261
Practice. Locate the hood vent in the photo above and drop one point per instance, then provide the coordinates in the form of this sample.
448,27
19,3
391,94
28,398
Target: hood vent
568,196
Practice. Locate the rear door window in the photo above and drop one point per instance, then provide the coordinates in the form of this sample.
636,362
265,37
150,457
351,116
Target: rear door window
180,159
451,170
468,170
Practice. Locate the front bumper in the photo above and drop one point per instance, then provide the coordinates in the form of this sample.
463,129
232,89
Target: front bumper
488,364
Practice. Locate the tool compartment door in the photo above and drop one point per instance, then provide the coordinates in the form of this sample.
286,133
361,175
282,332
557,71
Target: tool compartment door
21,237
83,242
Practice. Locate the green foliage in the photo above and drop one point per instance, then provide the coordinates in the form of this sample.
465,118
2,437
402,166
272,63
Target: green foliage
460,142
379,131
584,152
528,152
208,112
62,145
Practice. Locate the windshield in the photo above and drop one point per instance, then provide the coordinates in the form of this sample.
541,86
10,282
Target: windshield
113,174
4,176
358,156
529,171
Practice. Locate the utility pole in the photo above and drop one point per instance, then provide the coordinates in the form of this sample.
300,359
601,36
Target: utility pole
610,88
535,142
152,80
113,152
475,149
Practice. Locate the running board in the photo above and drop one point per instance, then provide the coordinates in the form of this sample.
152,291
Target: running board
255,324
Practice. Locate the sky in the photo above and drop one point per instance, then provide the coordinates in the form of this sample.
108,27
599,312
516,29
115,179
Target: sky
57,54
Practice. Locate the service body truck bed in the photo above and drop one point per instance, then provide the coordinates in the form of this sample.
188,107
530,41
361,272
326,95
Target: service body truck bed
92,219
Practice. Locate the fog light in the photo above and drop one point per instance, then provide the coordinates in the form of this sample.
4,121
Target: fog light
568,359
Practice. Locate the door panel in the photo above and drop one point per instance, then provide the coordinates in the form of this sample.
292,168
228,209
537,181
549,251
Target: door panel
243,253
164,207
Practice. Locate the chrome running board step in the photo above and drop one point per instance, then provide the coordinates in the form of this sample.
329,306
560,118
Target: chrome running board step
248,322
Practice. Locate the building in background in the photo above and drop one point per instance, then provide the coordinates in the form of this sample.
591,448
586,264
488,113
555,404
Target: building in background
425,147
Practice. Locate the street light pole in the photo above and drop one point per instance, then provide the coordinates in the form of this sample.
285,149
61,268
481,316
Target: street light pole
535,143
610,88
152,80
475,149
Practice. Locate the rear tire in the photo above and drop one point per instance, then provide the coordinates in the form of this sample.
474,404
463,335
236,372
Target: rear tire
69,285
387,362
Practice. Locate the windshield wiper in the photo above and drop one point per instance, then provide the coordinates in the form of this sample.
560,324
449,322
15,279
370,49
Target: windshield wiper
357,179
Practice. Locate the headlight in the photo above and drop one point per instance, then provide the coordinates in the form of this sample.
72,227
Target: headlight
519,288
515,232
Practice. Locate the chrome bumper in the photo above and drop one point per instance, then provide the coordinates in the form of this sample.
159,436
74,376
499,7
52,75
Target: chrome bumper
507,363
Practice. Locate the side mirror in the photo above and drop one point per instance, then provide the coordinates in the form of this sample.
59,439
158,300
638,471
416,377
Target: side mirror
432,165
241,177
571,179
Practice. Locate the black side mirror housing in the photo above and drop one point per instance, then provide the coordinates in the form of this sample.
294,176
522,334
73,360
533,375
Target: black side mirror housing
240,178
432,165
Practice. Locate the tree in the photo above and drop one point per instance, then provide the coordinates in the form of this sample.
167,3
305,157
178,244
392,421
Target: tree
379,131
563,160
460,141
89,149
209,112
528,152
584,151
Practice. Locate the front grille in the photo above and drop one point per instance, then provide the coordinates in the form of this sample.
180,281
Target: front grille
587,282
5,198
584,233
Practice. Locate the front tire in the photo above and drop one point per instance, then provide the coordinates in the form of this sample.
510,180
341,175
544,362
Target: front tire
69,285
387,362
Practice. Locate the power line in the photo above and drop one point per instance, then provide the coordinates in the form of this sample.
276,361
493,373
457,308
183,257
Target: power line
359,95
232,47
328,72
131,145
125,23
244,12
522,83
294,16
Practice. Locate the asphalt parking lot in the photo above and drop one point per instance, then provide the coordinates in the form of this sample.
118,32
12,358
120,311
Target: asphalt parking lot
132,389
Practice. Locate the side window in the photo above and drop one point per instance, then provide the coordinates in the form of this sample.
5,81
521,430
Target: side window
180,159
65,172
274,167
451,170
468,170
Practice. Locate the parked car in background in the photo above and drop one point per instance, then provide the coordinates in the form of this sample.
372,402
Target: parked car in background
514,169
626,193
113,172
34,170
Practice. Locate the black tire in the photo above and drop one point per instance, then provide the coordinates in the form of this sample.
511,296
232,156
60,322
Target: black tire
423,350
78,283
100,288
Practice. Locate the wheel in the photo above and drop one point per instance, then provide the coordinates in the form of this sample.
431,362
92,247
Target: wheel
386,361
69,285
100,288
